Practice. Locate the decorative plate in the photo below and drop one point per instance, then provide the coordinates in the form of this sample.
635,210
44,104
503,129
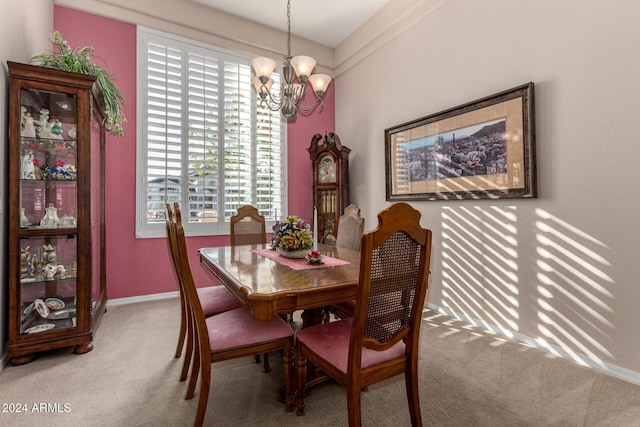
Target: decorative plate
29,308
41,308
54,303
40,328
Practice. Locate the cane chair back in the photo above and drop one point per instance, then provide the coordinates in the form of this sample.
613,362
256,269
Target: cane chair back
247,227
381,339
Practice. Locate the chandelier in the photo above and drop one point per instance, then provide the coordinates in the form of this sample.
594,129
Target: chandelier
292,90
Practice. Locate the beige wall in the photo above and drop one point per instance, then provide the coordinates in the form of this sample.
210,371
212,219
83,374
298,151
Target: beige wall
561,270
24,28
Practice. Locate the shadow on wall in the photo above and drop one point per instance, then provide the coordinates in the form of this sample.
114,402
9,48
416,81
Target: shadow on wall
482,257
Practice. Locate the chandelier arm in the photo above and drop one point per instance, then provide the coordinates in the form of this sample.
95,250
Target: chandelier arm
267,103
272,98
308,108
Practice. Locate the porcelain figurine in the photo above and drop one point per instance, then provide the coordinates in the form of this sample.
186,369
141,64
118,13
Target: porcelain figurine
28,128
24,220
50,219
49,254
68,222
26,267
50,271
55,129
27,169
44,124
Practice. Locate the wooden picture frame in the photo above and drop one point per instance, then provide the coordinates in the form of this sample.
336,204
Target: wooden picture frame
484,149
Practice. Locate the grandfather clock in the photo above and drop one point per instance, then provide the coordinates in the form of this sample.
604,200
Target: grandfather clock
330,177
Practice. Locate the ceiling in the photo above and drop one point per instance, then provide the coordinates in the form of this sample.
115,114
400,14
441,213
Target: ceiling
327,22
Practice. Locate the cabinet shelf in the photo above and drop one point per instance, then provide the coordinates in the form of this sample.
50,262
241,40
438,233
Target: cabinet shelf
38,231
56,281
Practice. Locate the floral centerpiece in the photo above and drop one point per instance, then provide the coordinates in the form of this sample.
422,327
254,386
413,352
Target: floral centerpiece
292,237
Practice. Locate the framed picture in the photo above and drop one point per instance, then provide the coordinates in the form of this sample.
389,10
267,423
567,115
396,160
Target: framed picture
484,149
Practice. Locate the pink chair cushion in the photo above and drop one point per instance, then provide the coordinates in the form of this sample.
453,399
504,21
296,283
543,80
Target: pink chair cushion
217,299
331,342
237,328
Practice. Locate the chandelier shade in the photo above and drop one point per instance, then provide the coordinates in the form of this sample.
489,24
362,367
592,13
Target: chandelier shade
263,67
296,76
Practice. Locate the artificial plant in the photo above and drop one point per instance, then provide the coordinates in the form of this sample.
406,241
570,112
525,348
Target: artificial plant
81,60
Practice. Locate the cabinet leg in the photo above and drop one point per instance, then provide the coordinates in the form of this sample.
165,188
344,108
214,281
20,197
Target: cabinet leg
83,348
22,360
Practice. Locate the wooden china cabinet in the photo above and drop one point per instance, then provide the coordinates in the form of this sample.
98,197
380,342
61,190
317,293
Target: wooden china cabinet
330,177
57,278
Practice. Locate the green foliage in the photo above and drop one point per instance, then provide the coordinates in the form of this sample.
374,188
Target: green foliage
81,60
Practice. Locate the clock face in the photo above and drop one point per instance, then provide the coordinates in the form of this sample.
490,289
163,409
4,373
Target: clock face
327,170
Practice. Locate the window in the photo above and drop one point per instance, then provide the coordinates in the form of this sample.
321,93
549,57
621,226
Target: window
203,139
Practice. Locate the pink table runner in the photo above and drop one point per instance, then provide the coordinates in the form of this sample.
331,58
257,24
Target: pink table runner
300,263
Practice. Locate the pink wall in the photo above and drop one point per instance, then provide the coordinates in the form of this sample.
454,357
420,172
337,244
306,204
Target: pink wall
300,133
141,266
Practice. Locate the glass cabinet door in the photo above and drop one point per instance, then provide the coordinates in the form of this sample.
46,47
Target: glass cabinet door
48,288
48,203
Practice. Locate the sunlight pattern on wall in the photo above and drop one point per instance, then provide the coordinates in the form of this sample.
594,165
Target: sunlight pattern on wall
480,263
573,289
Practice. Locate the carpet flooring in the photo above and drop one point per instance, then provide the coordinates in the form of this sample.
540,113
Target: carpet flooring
468,377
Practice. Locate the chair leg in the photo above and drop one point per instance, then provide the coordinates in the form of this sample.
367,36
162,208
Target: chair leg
353,406
183,330
301,365
411,382
265,363
205,384
194,371
288,375
188,353
257,356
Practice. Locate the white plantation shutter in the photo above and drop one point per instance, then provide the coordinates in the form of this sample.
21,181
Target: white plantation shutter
163,103
204,141
203,117
270,158
238,151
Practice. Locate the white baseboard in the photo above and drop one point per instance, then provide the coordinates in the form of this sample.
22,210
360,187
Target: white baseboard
141,298
581,359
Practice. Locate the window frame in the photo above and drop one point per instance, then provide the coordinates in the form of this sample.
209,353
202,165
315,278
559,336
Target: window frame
143,228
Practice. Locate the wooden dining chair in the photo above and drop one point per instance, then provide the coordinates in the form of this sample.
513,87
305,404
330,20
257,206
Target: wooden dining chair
229,335
247,227
350,229
381,339
214,299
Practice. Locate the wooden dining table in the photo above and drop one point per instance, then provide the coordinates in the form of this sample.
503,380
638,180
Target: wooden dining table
268,288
